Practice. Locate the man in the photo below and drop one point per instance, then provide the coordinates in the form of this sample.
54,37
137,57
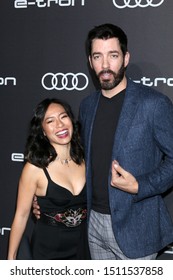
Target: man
127,132
131,126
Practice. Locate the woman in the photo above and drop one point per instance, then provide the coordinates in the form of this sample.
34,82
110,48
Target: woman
55,173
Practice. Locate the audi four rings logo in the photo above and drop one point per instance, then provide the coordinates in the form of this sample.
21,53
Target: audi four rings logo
137,3
68,81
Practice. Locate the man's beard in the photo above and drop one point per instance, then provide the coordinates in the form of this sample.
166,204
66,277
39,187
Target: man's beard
117,78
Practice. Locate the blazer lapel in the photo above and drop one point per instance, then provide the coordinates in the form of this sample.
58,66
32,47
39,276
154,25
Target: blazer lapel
91,112
130,104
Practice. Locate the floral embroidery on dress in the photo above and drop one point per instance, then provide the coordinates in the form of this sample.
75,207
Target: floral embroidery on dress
71,218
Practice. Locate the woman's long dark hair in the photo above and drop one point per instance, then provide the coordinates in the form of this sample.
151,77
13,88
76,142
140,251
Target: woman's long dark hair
38,150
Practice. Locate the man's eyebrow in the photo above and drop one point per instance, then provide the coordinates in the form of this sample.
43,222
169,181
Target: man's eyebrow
112,51
96,53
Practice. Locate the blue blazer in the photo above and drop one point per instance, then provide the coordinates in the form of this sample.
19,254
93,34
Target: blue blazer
143,145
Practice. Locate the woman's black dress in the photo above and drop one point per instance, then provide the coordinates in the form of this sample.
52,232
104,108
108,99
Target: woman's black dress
61,232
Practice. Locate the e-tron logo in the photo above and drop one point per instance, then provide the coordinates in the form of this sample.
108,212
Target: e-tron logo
17,157
155,82
69,81
3,230
8,80
121,4
18,4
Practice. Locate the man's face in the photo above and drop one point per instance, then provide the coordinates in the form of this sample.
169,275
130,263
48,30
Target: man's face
108,62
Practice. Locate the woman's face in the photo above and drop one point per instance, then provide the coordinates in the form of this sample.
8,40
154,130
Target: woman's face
57,125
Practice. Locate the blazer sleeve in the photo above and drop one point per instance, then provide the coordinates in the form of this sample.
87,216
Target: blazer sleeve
161,178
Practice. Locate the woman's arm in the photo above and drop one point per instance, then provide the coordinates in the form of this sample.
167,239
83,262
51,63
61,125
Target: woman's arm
27,189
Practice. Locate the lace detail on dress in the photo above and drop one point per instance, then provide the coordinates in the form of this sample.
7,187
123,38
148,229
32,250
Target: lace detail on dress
70,218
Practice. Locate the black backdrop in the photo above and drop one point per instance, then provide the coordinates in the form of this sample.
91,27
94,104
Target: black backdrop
41,38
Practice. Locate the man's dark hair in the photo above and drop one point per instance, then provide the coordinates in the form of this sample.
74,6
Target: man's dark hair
107,31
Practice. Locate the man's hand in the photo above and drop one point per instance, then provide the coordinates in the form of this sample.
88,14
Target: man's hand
123,180
36,208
